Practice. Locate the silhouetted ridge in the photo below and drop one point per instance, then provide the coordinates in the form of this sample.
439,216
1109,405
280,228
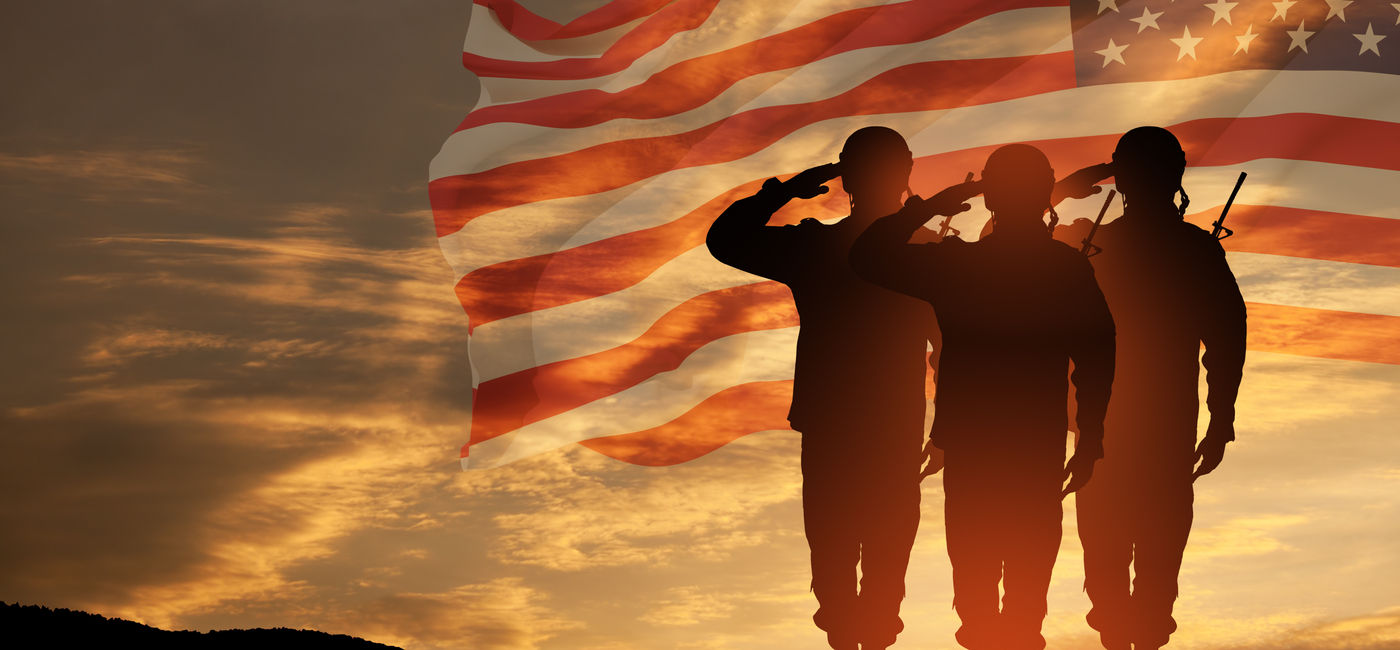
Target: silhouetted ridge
34,626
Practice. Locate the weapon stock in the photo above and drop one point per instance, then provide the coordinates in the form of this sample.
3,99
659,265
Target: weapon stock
1219,224
1089,249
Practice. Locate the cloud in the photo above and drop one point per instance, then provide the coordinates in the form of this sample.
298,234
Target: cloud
1379,630
503,614
578,517
236,408
153,175
688,605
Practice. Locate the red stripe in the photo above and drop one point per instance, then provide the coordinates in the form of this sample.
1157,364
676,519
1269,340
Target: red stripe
1307,233
680,16
1322,333
527,25
507,403
727,415
747,408
458,199
691,83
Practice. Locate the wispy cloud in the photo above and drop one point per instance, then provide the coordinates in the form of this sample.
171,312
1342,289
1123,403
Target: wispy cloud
149,175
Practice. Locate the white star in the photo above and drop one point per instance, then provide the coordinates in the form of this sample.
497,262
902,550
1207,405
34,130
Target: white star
1149,19
1337,8
1245,39
1105,5
1369,41
1222,11
1299,37
1281,9
1113,52
1187,44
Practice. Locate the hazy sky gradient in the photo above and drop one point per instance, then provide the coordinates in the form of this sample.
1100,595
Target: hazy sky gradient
235,384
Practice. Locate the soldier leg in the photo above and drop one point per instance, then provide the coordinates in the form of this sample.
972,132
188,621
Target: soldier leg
1159,550
828,516
1105,532
1034,527
970,520
891,521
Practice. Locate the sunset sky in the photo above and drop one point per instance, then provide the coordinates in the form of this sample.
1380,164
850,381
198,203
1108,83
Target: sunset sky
235,384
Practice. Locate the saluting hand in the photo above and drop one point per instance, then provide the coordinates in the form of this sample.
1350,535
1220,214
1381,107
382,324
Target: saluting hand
1083,183
947,203
812,182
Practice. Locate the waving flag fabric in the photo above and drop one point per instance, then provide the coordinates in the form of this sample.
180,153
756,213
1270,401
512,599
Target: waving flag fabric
573,200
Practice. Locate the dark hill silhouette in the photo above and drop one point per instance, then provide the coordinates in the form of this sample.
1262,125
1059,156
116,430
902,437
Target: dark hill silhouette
34,626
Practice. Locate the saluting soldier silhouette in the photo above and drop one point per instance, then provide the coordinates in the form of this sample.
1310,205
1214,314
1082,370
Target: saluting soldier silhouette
1170,291
858,390
1014,307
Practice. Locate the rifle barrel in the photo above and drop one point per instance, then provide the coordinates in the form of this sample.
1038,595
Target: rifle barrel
1219,224
1088,241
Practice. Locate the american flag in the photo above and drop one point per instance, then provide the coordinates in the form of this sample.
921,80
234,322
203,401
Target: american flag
573,199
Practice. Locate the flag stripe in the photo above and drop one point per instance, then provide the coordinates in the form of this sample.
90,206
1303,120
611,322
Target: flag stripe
695,81
1371,338
1308,233
723,417
527,25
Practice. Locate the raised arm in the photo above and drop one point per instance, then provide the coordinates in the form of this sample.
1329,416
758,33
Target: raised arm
741,236
882,255
1224,339
1082,183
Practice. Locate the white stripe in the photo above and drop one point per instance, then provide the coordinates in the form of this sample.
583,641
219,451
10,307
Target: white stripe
733,360
569,331
1318,284
731,24
1025,32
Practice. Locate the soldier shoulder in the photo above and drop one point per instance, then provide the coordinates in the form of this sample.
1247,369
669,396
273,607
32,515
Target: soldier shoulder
1200,241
